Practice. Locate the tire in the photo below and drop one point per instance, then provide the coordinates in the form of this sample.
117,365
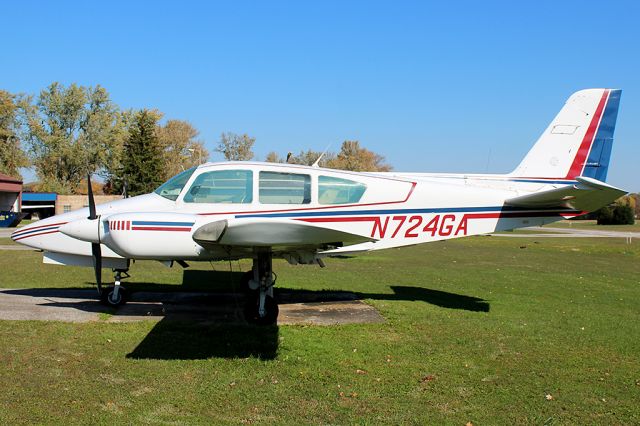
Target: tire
244,283
251,311
106,298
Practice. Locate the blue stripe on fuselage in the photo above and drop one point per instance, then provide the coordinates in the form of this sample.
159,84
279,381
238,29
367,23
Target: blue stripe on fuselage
31,231
398,211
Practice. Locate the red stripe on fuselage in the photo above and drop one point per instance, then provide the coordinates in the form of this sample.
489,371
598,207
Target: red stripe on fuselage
34,235
515,214
581,156
340,219
160,228
32,228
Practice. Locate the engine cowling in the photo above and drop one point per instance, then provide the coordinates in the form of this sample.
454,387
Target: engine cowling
162,236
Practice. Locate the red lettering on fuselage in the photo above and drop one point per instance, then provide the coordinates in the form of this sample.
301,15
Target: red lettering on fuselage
462,226
445,228
377,226
418,222
438,225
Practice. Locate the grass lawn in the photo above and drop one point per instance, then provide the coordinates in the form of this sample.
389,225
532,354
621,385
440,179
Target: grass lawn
487,330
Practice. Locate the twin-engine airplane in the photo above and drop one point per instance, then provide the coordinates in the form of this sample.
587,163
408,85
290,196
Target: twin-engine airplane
237,210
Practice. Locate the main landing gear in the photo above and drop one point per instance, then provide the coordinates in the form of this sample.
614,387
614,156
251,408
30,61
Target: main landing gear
261,307
115,295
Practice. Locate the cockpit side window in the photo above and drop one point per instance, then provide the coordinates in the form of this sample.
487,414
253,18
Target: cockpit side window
333,190
284,188
222,186
172,188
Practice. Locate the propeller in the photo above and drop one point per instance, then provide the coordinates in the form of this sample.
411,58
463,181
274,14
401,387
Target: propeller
96,252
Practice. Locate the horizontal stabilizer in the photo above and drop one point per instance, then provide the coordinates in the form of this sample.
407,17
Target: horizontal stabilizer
587,195
271,233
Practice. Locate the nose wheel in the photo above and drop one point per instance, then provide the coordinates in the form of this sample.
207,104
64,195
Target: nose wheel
261,307
115,295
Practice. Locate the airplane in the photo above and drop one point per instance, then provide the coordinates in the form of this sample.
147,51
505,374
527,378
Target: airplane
261,211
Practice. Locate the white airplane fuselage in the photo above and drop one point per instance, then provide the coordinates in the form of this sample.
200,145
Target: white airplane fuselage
231,209
395,210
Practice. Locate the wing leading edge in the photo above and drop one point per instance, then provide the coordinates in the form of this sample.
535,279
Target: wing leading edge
271,233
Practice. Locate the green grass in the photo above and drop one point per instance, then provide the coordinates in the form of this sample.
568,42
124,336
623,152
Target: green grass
6,242
476,330
591,224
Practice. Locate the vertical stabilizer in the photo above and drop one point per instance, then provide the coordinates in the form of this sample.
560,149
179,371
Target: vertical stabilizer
578,141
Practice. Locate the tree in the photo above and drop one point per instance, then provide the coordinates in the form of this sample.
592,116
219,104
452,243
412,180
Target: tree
309,157
273,157
12,157
619,213
142,158
71,132
236,147
180,147
355,158
623,215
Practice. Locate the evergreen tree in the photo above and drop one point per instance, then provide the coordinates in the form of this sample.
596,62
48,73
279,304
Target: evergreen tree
142,159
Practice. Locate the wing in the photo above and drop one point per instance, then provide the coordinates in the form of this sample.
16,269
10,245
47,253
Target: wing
276,233
587,195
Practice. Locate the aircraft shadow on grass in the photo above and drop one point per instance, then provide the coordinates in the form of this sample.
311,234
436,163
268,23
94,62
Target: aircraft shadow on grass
207,321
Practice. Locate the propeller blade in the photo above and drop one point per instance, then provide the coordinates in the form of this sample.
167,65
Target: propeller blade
96,252
96,256
92,203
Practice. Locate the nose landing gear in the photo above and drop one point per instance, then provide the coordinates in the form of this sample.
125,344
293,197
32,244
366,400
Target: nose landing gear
115,295
261,307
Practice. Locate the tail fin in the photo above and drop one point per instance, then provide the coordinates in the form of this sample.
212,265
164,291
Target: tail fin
578,141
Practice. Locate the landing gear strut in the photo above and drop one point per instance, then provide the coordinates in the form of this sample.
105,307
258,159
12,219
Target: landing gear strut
115,295
261,307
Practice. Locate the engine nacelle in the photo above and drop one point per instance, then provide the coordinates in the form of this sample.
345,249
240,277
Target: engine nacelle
160,236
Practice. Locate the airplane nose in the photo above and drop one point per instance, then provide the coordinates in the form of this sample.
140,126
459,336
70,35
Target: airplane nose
28,232
83,229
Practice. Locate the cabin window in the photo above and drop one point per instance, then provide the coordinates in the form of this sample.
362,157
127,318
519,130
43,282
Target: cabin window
332,190
222,186
172,188
284,188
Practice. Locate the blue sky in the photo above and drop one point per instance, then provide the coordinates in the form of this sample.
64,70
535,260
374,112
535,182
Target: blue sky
441,87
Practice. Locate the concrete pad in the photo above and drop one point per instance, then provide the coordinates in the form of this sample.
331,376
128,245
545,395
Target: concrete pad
82,306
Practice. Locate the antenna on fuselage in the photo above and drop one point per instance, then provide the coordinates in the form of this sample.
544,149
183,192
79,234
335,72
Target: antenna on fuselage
317,162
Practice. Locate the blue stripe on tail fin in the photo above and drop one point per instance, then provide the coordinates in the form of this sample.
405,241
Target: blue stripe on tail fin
597,163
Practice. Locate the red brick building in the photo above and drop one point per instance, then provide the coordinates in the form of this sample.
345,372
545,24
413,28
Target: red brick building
10,193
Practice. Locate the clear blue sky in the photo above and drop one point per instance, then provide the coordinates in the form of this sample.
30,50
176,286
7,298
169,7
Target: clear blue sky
447,86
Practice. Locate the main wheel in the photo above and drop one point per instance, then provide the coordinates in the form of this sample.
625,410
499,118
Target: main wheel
108,297
252,315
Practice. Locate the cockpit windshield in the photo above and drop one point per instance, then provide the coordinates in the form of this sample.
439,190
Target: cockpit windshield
172,188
